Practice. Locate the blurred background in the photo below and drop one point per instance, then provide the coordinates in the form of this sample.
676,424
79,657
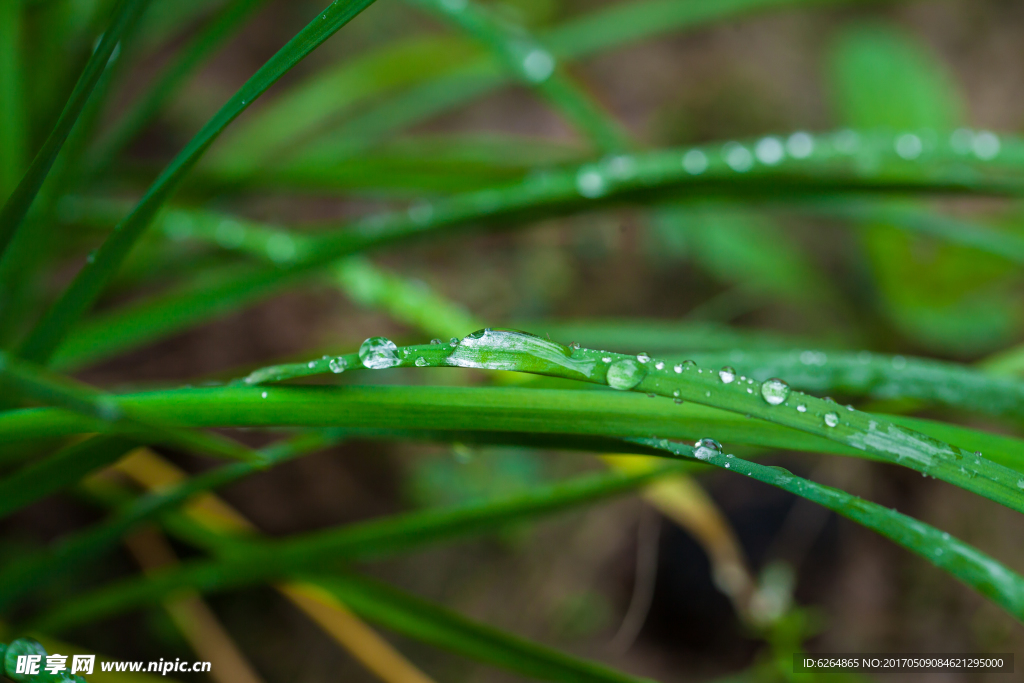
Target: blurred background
352,131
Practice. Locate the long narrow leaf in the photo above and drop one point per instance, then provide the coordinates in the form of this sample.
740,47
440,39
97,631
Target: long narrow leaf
16,208
91,280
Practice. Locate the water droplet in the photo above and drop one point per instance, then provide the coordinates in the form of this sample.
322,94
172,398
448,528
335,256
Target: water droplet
280,248
801,408
538,65
263,395
985,145
311,364
769,151
846,141
643,357
421,362
337,365
676,393
378,353
831,419
774,391
727,465
706,449
590,183
737,157
727,375
908,146
800,145
1020,483
229,234
435,341
961,140
678,401
659,365
621,167
453,342
678,368
625,374
420,214
695,162
606,359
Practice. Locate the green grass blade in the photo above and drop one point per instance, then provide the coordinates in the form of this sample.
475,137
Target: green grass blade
615,26
533,65
772,401
13,131
27,381
59,471
811,164
880,376
258,562
433,624
229,19
91,280
585,413
984,574
29,572
17,205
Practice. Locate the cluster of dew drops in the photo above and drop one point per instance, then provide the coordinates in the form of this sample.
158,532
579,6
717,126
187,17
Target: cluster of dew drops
378,353
627,373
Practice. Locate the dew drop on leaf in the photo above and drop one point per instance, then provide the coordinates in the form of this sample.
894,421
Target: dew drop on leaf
727,375
706,449
774,391
625,374
378,353
421,362
831,419
337,365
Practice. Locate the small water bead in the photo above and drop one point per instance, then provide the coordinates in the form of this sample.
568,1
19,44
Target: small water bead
705,449
263,395
421,362
420,214
831,419
643,357
574,346
695,162
281,248
908,146
727,375
311,364
659,365
590,183
436,341
678,401
774,391
961,140
800,145
769,151
678,368
229,234
606,359
378,353
801,408
625,374
737,157
985,145
846,141
453,342
621,167
676,393
1020,484
538,65
337,365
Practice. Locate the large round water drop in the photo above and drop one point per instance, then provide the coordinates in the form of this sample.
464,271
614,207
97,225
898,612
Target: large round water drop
625,374
706,449
378,353
774,391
